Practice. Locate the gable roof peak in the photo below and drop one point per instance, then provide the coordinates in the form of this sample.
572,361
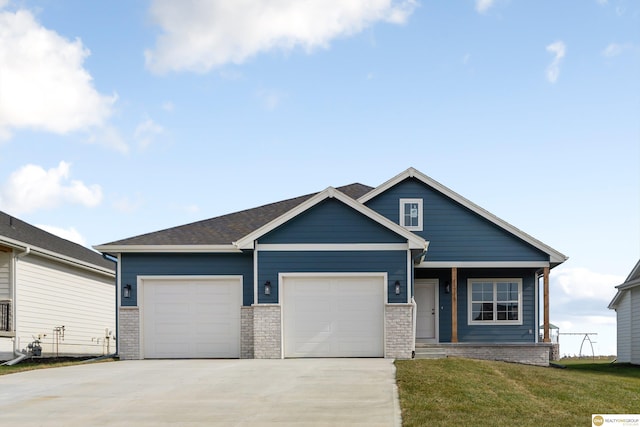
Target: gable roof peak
554,256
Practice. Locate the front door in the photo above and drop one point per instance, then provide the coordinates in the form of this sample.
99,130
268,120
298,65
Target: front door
427,314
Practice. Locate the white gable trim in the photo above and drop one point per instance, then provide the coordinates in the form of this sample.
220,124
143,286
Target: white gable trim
247,242
554,256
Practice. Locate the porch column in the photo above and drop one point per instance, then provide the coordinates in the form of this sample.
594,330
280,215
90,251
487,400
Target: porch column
545,273
454,304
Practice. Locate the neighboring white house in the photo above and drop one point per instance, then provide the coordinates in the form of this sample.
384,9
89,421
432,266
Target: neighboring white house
53,290
626,303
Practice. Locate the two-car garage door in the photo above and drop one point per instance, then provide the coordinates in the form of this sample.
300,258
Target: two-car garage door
322,316
191,317
333,316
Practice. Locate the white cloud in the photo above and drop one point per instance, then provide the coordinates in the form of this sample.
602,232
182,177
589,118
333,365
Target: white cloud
168,106
126,205
31,188
146,131
582,283
615,49
108,136
483,5
559,50
66,233
3,3
198,35
44,85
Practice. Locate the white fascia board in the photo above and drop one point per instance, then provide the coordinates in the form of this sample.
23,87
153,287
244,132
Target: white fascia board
483,264
35,250
166,248
629,284
616,299
555,257
248,241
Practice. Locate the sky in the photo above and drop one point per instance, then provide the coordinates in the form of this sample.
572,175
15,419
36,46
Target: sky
125,117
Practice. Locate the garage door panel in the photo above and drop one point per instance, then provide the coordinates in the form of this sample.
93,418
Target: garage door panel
192,318
333,316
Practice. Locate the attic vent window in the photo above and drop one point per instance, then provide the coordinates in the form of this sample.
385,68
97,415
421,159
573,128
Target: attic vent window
411,214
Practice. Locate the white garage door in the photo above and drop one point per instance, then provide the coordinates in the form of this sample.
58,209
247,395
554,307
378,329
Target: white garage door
191,317
333,316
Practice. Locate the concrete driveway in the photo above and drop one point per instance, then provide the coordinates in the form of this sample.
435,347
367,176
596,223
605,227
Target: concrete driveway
294,392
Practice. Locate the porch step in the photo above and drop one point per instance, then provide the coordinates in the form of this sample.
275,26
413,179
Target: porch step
429,353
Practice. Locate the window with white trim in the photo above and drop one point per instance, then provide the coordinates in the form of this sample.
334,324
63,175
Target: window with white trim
495,301
411,214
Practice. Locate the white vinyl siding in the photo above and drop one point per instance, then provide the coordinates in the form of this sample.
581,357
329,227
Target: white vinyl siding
635,325
623,314
5,276
51,295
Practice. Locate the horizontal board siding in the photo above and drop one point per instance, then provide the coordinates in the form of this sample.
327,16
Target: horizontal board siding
623,314
484,333
455,233
635,325
394,263
5,277
51,295
331,221
134,265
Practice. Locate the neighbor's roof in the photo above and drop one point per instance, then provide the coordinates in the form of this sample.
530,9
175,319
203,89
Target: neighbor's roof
16,233
226,229
632,281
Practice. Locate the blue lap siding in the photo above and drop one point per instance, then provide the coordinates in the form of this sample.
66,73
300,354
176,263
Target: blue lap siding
179,264
455,232
394,263
331,221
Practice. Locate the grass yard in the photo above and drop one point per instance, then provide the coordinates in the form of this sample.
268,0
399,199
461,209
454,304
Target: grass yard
44,363
456,391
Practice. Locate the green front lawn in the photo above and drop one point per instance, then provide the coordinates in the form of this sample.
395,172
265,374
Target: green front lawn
456,391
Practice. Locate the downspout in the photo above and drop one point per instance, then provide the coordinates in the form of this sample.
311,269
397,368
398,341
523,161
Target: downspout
117,286
14,293
415,319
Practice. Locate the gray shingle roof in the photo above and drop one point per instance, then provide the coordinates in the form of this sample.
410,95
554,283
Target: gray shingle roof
20,231
226,229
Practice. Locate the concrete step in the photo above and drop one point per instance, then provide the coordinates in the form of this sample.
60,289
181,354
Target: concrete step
429,353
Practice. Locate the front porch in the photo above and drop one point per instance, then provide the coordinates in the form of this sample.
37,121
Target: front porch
530,354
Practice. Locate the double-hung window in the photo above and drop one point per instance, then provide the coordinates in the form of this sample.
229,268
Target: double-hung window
495,301
411,214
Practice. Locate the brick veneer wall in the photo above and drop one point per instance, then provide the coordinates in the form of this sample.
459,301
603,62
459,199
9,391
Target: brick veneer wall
129,333
267,321
246,333
530,354
398,319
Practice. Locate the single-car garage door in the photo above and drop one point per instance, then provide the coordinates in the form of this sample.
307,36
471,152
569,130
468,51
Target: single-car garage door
333,316
191,317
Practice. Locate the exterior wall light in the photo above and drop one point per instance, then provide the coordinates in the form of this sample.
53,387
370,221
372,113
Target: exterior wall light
447,287
397,287
267,287
126,291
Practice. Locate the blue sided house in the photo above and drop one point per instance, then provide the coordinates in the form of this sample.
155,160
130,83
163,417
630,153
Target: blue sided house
403,270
